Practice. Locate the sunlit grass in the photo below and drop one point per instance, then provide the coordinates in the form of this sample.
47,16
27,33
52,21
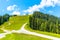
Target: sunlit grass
16,36
15,22
1,31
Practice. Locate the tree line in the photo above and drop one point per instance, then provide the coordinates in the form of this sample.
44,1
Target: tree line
44,22
4,18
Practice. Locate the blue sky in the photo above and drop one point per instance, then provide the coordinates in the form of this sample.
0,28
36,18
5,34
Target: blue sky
21,7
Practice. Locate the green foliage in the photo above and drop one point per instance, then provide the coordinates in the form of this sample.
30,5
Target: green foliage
4,18
42,32
44,22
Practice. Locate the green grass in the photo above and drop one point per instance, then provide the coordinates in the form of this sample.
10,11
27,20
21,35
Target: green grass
41,32
16,36
15,22
1,31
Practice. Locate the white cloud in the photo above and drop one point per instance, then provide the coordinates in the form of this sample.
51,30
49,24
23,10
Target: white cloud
15,13
31,9
43,3
14,9
11,8
24,14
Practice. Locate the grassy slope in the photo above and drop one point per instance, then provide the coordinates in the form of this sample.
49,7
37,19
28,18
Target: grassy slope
41,32
1,31
22,37
15,22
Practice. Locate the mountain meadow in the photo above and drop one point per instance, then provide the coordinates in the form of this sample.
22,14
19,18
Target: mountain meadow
37,22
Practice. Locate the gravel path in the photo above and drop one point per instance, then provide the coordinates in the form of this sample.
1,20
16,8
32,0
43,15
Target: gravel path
22,30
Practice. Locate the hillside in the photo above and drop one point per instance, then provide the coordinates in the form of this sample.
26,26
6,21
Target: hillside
38,24
15,22
44,22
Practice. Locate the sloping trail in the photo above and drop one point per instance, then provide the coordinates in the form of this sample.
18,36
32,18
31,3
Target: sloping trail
22,30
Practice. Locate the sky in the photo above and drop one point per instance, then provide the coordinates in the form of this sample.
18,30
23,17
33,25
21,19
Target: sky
22,7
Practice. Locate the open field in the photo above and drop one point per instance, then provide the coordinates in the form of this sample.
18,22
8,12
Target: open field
15,23
16,36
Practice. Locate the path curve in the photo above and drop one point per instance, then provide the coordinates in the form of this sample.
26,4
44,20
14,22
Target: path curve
23,30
